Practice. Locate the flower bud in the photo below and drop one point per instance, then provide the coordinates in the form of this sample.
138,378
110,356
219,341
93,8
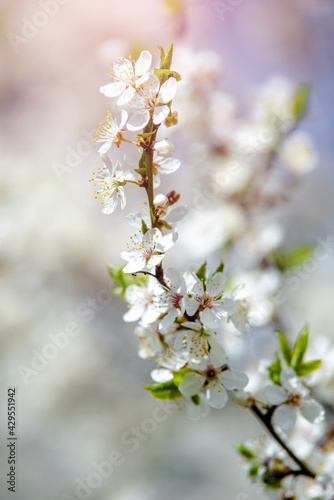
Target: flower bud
243,398
160,201
164,148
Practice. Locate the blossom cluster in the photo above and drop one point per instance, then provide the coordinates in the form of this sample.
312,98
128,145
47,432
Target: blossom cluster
182,316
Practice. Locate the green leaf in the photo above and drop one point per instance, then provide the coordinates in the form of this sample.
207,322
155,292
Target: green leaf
166,57
144,227
285,347
195,399
145,135
162,55
275,371
301,99
309,367
286,259
201,273
123,280
245,452
300,347
141,171
220,268
164,74
165,390
253,470
178,375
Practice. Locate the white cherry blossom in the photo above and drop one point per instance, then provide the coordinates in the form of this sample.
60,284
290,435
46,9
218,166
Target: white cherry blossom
171,300
210,302
151,100
150,341
289,397
215,379
110,182
142,302
127,75
147,250
164,148
198,341
110,131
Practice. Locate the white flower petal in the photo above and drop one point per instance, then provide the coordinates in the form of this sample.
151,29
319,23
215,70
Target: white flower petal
285,417
191,306
160,114
161,375
123,68
110,204
168,320
113,89
167,165
126,96
217,396
150,314
210,319
274,394
234,379
217,353
143,63
134,313
216,284
312,411
177,213
138,120
167,242
168,90
191,384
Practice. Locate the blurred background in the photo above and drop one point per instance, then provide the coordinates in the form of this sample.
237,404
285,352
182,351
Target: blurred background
78,403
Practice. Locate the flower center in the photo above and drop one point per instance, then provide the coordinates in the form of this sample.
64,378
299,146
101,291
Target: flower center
175,299
294,399
206,300
210,373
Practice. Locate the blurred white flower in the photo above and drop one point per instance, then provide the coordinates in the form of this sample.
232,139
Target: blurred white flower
110,131
164,148
111,186
289,397
148,250
128,75
149,99
298,153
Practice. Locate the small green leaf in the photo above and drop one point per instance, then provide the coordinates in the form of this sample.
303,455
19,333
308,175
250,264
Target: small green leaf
309,367
201,273
253,470
141,171
275,371
301,99
300,347
178,375
195,399
144,227
162,55
164,74
165,390
145,135
123,280
245,452
285,347
166,57
220,268
286,259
